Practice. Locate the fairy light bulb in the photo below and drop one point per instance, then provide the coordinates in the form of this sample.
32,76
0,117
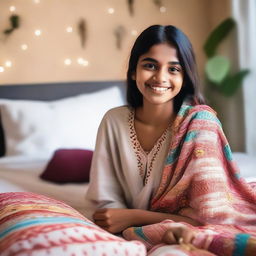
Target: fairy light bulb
38,32
1,69
83,62
162,9
67,62
8,63
12,8
111,10
69,29
24,47
134,32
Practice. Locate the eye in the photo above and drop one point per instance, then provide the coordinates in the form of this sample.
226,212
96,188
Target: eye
150,66
174,69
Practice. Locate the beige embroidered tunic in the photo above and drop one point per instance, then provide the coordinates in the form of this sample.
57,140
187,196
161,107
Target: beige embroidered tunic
123,175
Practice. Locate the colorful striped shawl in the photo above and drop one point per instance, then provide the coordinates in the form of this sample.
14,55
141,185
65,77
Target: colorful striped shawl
200,179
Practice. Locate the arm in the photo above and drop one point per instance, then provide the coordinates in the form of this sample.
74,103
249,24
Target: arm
116,220
104,189
143,217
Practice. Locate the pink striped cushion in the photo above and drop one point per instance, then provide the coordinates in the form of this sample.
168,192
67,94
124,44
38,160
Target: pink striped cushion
32,224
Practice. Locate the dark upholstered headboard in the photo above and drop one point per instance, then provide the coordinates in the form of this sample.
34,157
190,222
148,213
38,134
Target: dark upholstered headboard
52,91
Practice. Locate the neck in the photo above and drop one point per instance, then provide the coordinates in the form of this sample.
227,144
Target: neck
156,115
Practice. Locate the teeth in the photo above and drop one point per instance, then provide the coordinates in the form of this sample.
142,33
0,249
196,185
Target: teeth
160,89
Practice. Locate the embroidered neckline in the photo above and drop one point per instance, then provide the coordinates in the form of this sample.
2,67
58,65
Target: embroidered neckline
139,151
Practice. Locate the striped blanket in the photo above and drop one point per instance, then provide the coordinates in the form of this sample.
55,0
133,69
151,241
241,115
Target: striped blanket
200,180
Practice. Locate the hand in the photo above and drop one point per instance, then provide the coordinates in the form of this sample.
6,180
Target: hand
184,235
179,234
113,220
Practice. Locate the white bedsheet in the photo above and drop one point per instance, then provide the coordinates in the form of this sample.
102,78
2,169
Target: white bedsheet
19,173
22,174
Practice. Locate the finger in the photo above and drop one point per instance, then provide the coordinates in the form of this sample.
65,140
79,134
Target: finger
169,237
101,210
188,236
181,240
109,229
101,213
101,223
99,216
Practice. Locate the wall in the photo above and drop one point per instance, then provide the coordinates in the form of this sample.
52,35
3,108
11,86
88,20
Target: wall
43,61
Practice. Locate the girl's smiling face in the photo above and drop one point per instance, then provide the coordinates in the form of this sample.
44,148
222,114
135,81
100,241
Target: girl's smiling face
159,75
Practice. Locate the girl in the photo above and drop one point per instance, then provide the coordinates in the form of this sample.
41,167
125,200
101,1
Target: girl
164,156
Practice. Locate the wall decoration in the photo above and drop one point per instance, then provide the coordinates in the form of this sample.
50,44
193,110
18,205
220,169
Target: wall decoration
119,33
158,3
15,23
131,7
82,31
35,32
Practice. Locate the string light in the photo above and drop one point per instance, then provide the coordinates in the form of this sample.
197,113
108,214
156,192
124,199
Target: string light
134,32
67,62
162,9
12,8
38,32
8,63
82,62
111,10
69,29
24,47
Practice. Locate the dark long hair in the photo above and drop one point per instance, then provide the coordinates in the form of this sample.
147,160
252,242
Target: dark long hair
158,34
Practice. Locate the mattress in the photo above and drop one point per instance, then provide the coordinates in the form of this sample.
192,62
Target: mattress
20,173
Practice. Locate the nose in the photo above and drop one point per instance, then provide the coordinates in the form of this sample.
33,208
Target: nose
160,76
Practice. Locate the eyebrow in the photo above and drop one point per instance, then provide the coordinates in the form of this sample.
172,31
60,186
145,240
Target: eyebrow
155,61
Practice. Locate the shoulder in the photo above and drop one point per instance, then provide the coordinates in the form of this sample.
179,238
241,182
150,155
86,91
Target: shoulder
117,112
197,118
117,117
199,112
115,124
205,113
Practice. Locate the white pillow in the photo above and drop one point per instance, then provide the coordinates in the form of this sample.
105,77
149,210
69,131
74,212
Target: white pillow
38,127
6,186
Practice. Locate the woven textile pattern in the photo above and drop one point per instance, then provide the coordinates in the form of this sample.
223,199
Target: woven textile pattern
201,181
32,224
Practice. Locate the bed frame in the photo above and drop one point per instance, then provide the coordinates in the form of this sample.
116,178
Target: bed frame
52,91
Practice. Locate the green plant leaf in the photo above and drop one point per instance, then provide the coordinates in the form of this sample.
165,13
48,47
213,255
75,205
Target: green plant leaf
8,31
232,83
217,69
15,21
217,35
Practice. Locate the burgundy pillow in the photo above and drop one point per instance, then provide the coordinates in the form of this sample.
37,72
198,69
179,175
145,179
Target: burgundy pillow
68,165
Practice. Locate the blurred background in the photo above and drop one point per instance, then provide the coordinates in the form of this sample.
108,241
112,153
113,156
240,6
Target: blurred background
45,41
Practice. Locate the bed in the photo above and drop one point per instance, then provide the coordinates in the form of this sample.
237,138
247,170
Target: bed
34,115
46,128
